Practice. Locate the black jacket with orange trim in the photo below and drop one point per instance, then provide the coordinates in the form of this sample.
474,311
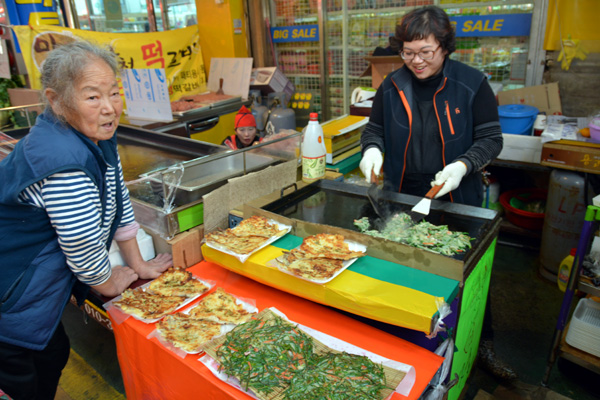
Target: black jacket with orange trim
453,105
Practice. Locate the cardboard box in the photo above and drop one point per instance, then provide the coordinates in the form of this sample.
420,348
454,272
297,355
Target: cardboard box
574,158
544,97
271,79
25,97
521,148
380,67
184,247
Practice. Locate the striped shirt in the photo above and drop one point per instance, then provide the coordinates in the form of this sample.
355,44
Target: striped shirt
72,202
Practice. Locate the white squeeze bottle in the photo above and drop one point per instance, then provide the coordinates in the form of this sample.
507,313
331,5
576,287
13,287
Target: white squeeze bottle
313,151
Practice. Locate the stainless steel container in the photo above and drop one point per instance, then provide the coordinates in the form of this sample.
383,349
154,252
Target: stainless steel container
169,200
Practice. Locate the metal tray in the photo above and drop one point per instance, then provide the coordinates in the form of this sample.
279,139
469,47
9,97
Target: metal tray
339,204
143,151
200,110
200,178
159,198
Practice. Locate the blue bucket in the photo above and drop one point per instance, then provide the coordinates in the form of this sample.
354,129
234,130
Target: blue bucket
517,119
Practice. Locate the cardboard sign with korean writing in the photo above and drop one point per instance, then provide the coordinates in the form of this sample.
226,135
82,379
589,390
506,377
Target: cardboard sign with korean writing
177,52
147,94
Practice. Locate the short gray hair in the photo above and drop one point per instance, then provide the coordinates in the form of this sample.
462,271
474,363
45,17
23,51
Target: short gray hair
64,65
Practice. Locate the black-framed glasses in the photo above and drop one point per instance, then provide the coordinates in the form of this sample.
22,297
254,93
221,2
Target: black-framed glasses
423,54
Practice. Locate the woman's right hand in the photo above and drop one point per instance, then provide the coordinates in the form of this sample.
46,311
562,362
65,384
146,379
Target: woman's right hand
371,162
120,279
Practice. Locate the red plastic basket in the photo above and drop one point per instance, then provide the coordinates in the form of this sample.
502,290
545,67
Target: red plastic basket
522,218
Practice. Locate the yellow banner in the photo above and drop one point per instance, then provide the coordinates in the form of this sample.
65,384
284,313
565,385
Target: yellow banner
575,18
177,51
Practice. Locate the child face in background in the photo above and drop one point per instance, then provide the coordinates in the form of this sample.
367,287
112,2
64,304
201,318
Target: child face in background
246,134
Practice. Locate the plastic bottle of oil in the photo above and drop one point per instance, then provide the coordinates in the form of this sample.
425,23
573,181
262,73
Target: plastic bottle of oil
564,270
313,151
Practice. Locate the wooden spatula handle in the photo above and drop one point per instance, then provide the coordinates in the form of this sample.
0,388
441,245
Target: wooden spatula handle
433,191
374,178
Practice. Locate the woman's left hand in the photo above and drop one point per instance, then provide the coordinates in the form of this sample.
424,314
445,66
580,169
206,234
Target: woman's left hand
153,268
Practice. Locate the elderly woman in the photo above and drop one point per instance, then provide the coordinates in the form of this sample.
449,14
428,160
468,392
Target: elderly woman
62,201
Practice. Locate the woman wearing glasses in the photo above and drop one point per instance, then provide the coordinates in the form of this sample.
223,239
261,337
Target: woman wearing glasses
435,119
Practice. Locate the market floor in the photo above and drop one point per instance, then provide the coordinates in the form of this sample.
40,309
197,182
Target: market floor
524,307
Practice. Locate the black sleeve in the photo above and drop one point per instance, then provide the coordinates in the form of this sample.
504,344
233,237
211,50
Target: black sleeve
372,135
487,134
485,106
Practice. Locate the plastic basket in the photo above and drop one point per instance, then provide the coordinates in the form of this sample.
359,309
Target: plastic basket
584,330
513,199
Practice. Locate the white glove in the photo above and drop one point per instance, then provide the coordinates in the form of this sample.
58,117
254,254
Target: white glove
450,176
371,162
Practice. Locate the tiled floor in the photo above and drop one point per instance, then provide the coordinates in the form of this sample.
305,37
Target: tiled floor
524,306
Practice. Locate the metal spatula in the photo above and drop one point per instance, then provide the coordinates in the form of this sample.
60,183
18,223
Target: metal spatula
373,195
421,209
220,91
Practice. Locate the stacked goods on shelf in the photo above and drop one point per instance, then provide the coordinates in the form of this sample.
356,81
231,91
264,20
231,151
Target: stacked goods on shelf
342,137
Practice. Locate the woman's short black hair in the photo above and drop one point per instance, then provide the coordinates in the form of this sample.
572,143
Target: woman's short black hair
422,22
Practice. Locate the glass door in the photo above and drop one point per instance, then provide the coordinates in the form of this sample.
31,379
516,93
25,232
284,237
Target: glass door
112,15
130,16
354,29
181,13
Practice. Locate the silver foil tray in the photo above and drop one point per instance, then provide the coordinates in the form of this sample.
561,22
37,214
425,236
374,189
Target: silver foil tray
199,110
202,178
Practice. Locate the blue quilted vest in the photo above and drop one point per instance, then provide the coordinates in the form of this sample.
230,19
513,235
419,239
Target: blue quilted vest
35,281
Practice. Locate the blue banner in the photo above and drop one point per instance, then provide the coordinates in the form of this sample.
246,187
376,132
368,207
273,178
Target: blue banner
298,33
492,25
466,26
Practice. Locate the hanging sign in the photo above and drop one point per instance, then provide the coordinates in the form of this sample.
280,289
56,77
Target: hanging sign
147,94
297,33
32,12
177,51
492,25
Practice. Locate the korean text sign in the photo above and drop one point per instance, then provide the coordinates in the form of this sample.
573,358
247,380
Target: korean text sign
178,52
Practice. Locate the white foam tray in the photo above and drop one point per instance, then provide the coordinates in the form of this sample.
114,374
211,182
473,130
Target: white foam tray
584,329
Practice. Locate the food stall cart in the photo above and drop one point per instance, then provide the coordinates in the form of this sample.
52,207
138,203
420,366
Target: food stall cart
403,286
395,285
461,281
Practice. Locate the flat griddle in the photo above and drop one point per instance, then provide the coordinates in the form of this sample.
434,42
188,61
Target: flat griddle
143,151
339,204
206,106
